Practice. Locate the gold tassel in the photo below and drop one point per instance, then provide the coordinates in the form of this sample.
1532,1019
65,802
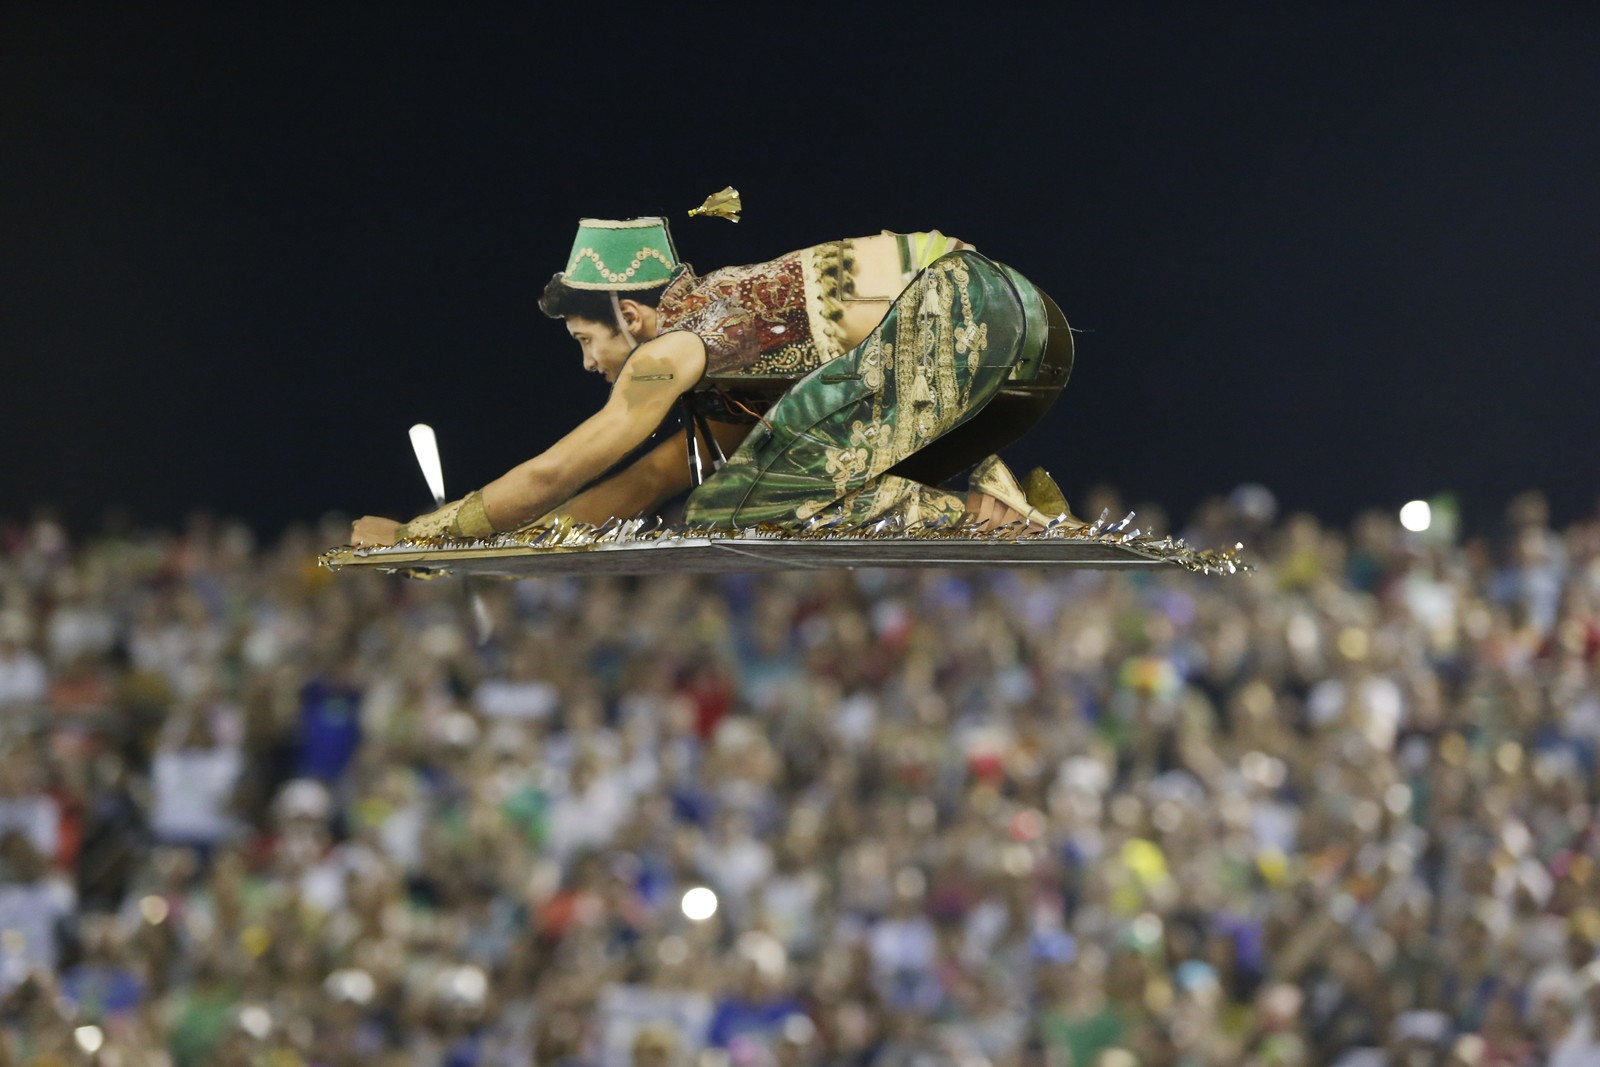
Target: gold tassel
723,205
1041,491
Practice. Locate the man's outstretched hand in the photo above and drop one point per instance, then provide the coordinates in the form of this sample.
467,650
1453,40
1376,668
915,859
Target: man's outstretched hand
373,530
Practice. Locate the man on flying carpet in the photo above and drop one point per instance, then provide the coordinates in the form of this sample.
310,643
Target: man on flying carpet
847,380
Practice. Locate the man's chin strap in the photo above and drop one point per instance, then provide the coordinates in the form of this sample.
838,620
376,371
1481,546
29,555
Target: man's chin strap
622,323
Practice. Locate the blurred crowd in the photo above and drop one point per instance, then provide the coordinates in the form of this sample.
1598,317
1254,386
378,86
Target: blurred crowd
1340,811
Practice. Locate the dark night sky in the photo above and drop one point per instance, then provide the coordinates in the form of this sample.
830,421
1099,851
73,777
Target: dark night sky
1349,251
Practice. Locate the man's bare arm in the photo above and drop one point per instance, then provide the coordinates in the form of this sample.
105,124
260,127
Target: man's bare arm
654,377
659,475
658,372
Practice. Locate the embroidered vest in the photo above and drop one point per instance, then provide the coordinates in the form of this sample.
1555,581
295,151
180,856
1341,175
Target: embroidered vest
764,326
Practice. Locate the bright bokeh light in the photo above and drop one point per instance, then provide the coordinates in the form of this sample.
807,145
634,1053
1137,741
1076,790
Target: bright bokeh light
154,909
350,984
1416,516
469,984
255,1021
699,904
89,1038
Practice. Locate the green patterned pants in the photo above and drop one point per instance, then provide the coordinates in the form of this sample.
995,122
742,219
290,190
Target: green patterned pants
840,443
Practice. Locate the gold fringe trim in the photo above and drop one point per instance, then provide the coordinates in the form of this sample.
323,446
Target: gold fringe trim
828,271
565,534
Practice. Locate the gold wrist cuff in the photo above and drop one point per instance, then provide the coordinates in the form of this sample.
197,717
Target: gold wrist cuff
436,524
459,520
471,519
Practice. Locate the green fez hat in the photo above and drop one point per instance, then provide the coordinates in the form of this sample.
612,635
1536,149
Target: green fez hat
621,255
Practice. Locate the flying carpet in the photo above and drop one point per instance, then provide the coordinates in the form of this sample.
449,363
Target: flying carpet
638,547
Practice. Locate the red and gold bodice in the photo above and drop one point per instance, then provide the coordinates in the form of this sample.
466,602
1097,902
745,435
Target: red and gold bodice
774,320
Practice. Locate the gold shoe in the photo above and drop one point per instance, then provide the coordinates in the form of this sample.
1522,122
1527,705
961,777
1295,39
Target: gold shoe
1041,502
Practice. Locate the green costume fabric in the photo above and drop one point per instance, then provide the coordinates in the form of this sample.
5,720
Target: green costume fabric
621,255
828,448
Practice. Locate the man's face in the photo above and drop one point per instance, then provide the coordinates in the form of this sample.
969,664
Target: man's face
605,348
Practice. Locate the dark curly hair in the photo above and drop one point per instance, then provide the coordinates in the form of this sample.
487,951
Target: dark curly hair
562,301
